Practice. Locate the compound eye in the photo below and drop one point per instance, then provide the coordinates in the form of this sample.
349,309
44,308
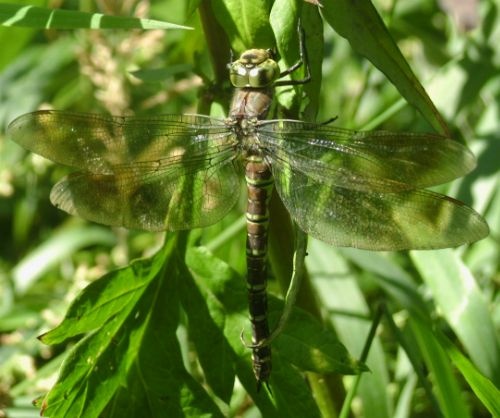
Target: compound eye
238,75
264,74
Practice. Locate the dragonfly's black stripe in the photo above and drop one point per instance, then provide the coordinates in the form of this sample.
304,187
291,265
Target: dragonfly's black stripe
259,186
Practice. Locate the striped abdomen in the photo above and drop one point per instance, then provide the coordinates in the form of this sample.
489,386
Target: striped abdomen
259,186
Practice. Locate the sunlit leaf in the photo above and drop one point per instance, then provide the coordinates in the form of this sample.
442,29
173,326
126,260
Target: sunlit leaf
363,27
38,17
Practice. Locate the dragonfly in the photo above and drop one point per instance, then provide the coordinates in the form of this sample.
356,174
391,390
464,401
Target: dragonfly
177,172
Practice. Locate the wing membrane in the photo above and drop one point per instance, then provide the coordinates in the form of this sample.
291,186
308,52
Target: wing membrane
155,173
159,200
97,143
377,160
409,219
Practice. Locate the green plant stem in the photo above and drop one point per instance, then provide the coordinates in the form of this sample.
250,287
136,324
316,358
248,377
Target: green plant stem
346,407
219,52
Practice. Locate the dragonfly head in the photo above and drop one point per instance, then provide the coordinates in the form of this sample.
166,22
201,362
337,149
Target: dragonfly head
256,68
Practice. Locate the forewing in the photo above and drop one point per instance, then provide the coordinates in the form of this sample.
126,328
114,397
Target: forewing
366,161
410,219
97,143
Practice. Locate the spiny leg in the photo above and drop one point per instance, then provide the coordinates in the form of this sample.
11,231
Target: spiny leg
303,60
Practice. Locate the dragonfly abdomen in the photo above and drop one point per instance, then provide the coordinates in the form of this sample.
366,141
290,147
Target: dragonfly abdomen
259,188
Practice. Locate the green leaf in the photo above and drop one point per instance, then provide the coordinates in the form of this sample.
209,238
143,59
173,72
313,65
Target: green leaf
246,23
43,18
159,391
462,304
360,23
290,390
206,322
114,294
484,388
445,384
284,20
98,364
310,346
132,315
157,378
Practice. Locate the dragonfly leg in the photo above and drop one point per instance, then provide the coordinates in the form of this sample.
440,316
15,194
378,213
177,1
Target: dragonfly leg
303,60
293,289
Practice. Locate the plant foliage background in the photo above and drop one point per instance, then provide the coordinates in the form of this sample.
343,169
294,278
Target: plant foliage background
161,334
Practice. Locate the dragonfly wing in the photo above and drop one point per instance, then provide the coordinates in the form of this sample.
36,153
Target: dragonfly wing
409,219
97,143
173,199
377,160
166,172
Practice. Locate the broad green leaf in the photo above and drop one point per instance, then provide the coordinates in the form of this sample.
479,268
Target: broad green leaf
206,323
114,294
462,304
310,346
290,390
97,366
484,388
154,388
445,385
43,18
361,25
91,374
157,378
246,23
133,344
284,19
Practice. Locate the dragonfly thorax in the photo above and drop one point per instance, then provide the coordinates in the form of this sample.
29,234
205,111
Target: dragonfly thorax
250,103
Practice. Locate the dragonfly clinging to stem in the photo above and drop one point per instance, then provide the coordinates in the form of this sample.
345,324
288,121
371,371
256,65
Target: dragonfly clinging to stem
177,172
